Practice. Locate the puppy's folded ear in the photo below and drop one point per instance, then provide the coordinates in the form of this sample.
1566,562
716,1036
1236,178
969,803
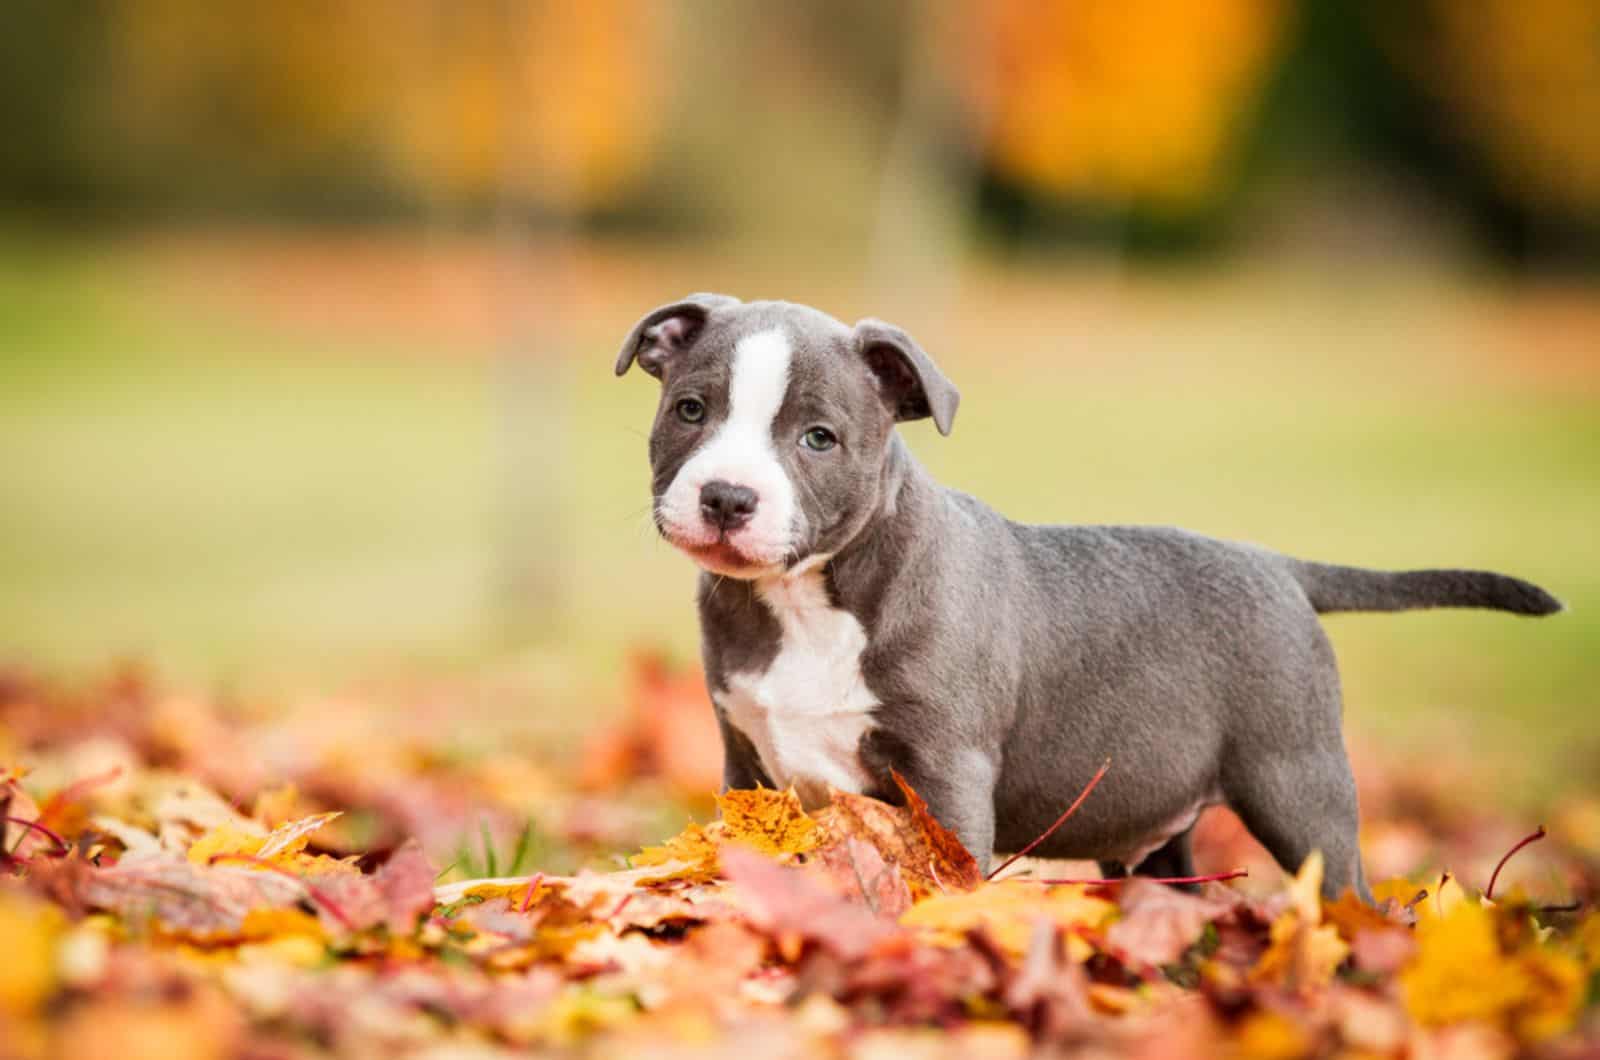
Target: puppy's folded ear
667,330
911,384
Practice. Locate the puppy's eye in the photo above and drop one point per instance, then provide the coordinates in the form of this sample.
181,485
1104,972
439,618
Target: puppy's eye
691,410
819,438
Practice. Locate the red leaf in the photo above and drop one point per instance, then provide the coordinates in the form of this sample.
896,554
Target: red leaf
793,908
1159,923
406,884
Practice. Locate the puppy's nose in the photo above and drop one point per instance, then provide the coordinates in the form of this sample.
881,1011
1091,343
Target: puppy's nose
725,505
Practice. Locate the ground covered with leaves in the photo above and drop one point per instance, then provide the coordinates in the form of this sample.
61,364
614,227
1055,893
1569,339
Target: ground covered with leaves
187,879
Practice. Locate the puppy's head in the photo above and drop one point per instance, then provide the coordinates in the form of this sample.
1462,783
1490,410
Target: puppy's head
770,442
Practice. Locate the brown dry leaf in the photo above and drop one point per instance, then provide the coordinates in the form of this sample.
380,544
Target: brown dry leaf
182,899
1351,916
952,862
859,872
1158,923
928,856
1379,943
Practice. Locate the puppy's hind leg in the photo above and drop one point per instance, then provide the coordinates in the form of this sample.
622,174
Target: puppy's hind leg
1112,870
1172,859
1295,804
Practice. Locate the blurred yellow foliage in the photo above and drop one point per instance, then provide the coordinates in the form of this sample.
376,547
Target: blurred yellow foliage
1522,81
1119,100
1304,952
1462,973
539,101
28,933
1009,910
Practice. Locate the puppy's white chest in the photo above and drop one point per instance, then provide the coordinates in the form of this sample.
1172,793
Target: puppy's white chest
807,712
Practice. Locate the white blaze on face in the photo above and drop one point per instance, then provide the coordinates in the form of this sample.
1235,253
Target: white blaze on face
741,452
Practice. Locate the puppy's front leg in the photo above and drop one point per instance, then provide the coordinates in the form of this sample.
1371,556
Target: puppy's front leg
957,782
741,764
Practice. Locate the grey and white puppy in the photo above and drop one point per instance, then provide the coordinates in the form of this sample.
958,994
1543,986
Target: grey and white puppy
858,617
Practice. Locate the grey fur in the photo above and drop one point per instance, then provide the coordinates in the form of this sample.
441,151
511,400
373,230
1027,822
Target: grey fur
1011,660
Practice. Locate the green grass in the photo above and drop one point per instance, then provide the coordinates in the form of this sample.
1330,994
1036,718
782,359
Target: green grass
237,503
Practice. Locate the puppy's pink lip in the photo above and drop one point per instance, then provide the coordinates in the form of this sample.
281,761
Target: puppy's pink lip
720,556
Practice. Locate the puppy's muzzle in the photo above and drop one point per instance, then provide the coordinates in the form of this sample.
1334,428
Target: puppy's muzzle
727,506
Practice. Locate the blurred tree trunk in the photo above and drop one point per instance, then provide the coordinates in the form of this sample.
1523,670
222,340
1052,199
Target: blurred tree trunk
928,190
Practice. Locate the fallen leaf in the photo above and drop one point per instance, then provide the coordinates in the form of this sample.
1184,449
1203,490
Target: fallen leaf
1302,953
930,862
1008,911
28,973
793,908
207,904
858,871
1049,993
282,845
405,883
1159,923
1459,972
689,855
770,822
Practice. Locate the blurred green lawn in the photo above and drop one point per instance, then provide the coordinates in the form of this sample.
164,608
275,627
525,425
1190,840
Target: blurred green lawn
237,500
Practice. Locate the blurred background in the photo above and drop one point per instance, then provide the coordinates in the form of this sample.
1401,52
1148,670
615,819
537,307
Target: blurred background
308,313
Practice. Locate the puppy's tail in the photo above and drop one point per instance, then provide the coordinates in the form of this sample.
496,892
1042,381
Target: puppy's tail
1334,588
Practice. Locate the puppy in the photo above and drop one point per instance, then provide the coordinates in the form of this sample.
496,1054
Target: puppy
858,618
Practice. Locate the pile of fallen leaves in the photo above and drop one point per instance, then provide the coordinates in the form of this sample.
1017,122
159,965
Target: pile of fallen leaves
179,882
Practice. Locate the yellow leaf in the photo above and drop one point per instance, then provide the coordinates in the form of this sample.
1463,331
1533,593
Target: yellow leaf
279,923
771,822
223,840
1586,940
275,806
689,855
1267,1035
514,889
294,951
1555,985
1399,889
1305,890
1459,972
289,839
581,1012
27,973
281,845
1303,952
1300,956
1008,910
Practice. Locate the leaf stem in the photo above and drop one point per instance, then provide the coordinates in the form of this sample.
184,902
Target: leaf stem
1215,877
1534,836
316,893
1048,832
62,846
